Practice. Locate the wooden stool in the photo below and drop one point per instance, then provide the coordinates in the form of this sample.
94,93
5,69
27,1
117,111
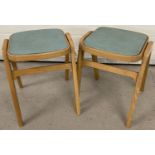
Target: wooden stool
121,45
36,45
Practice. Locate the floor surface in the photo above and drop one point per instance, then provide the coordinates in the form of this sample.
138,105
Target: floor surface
47,101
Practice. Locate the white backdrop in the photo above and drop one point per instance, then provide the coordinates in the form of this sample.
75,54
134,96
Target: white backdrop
76,31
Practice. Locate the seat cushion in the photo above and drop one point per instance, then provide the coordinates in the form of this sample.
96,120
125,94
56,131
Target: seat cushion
117,41
37,41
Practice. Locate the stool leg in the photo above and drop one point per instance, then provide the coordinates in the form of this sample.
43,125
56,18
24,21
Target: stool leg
74,72
132,108
79,66
76,87
96,71
139,83
67,70
12,85
14,65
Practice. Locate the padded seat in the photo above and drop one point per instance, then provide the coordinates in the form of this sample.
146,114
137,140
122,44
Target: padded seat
37,41
117,41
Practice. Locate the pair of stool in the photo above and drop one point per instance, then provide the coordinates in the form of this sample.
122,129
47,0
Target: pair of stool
109,43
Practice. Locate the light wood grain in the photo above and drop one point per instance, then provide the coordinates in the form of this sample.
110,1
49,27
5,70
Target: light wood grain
139,77
67,70
17,73
139,83
96,71
111,69
80,65
74,70
41,69
12,84
15,68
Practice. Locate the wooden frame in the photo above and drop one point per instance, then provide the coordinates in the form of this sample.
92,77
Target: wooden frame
13,73
138,77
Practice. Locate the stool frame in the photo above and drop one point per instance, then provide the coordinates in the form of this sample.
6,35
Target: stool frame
13,73
138,77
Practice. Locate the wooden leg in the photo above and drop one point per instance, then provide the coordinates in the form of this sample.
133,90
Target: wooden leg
76,88
96,71
145,75
75,77
139,84
67,70
79,66
132,108
14,65
12,85
76,84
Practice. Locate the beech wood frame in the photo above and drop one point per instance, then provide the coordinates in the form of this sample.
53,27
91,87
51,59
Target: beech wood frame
138,77
13,73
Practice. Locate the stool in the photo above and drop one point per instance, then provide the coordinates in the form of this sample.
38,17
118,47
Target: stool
37,45
120,45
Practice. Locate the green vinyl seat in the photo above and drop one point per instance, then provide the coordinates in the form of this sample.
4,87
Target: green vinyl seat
117,41
37,41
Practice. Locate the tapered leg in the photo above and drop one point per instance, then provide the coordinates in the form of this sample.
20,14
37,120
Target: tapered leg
76,88
67,70
139,84
12,85
14,65
96,71
79,65
74,71
76,84
132,108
